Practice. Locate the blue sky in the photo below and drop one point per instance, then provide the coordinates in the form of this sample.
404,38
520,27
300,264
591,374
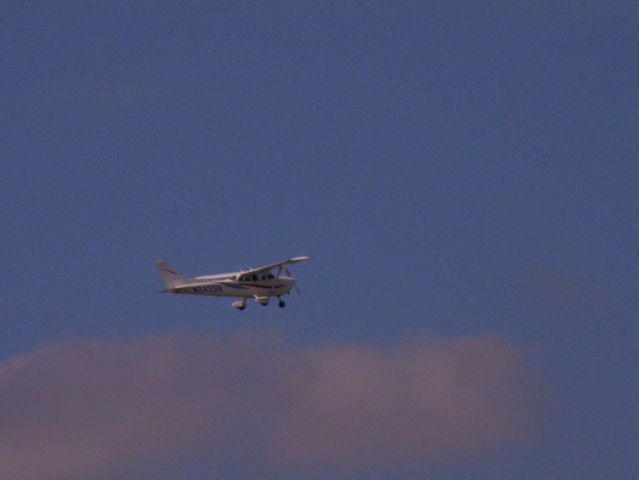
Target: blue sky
454,170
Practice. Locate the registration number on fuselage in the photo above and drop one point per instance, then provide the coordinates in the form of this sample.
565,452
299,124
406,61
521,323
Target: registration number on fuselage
208,289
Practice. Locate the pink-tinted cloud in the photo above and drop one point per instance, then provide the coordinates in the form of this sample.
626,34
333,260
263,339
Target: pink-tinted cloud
88,408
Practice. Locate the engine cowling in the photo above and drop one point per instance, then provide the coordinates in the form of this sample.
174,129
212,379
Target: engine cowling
262,300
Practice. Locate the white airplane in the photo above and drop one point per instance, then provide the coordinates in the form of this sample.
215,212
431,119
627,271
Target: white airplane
258,283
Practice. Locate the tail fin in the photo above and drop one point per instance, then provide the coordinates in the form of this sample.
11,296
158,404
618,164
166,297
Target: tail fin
170,278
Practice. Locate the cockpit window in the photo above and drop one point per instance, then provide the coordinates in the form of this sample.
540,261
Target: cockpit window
254,278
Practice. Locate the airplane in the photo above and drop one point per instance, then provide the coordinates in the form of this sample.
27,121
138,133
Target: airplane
258,283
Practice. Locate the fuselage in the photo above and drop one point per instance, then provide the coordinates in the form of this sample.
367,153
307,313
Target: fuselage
253,286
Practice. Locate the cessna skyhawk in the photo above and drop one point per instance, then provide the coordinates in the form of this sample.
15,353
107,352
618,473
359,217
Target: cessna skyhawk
258,283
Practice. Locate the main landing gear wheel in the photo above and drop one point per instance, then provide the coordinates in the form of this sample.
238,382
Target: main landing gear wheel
241,305
281,304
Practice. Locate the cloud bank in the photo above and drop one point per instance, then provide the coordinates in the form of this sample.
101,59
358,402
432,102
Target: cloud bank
89,408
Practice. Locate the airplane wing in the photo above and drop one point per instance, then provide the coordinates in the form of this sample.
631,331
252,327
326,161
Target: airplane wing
282,264
218,276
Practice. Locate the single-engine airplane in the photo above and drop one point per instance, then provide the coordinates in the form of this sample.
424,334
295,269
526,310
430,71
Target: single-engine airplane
258,283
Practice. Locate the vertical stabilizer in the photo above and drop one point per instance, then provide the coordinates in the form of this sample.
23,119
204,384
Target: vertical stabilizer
169,276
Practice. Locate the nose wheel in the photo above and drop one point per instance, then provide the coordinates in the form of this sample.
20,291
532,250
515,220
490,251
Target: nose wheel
281,304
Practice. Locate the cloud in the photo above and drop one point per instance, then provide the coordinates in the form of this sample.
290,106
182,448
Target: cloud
89,408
